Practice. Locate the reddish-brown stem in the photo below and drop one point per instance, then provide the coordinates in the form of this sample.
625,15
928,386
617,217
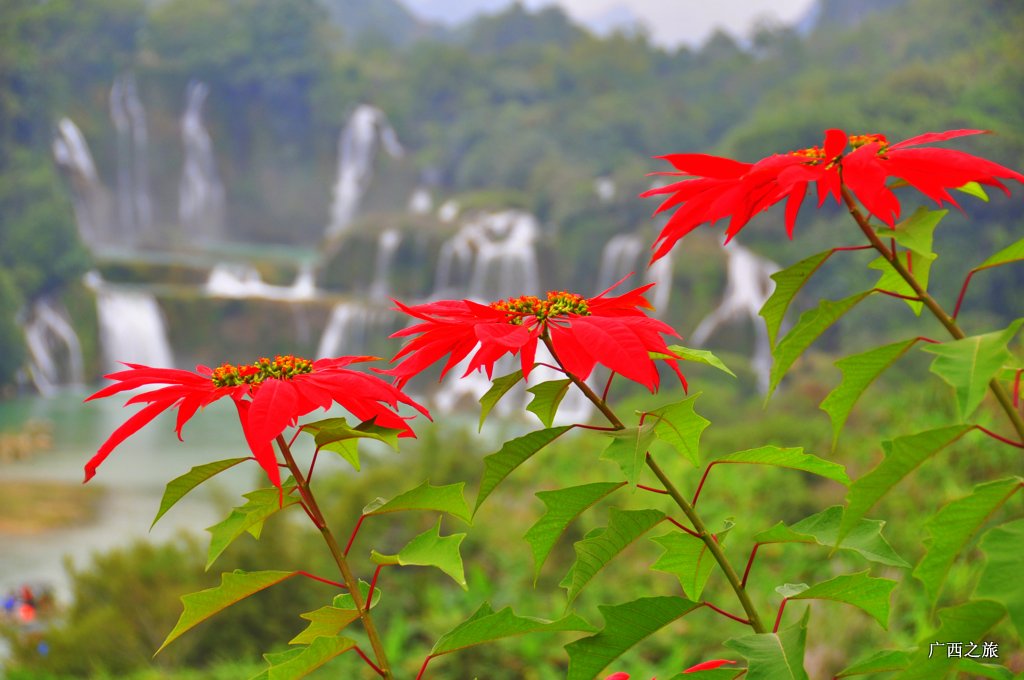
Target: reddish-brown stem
998,437
312,464
551,366
295,436
651,489
921,338
963,291
1016,387
596,427
683,527
778,617
423,668
894,294
700,486
373,584
355,530
607,386
309,514
322,579
844,248
726,614
948,322
309,501
368,662
750,563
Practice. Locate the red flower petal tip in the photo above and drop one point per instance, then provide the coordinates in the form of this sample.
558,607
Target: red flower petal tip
708,665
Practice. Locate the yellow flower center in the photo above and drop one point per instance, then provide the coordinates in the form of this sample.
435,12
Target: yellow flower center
282,367
815,154
557,303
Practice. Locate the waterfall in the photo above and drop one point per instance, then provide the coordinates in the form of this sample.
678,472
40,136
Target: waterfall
201,194
748,286
421,202
357,151
89,198
55,353
622,256
604,187
352,325
387,245
134,206
132,327
238,280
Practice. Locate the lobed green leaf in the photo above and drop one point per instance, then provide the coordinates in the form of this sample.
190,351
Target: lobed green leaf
178,487
512,454
916,232
1000,579
700,356
969,364
793,458
601,546
902,455
546,398
774,656
499,388
337,436
447,498
1011,253
486,625
330,620
953,526
968,621
298,663
262,504
788,283
628,450
233,587
563,506
688,558
625,625
431,549
859,371
860,590
885,661
680,426
811,324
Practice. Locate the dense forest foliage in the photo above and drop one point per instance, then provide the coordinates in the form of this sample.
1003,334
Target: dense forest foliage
525,108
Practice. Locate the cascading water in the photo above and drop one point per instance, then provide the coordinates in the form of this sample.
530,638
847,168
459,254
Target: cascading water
237,280
132,327
201,194
622,256
357,151
89,198
421,202
54,349
134,206
748,286
387,245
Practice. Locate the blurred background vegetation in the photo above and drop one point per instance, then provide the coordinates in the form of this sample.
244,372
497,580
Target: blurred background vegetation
527,109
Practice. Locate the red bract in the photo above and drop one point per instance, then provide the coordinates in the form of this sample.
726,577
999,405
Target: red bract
270,395
726,188
607,330
708,665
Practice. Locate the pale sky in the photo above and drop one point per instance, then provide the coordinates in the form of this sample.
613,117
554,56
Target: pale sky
670,22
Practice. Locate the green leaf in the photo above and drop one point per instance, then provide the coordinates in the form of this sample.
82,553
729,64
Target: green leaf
916,232
954,525
486,625
1000,579
595,552
680,426
512,454
984,670
966,622
688,558
969,364
178,487
233,587
893,282
700,356
811,324
1011,253
625,625
974,189
330,620
447,498
298,663
859,371
262,504
499,387
860,590
546,398
823,528
902,455
793,458
336,435
774,656
563,506
788,283
431,549
789,590
885,661
628,450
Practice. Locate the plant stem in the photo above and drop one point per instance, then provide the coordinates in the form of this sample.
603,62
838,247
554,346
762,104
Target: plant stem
698,524
1001,395
363,608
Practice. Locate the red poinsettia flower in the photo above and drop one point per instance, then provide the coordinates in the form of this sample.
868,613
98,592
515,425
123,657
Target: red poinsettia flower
708,665
723,188
270,395
609,330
